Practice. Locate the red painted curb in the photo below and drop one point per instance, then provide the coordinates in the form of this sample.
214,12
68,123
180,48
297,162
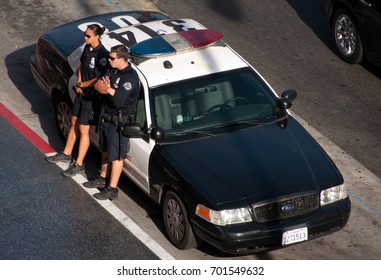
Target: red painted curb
26,130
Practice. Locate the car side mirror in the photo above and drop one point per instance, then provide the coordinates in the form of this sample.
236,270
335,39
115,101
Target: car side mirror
287,97
157,133
134,130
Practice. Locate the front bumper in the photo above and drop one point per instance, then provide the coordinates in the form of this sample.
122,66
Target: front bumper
253,237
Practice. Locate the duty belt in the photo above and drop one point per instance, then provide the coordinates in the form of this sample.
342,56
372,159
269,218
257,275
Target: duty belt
114,118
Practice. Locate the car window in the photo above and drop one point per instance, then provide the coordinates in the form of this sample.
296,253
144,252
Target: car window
140,116
55,66
211,101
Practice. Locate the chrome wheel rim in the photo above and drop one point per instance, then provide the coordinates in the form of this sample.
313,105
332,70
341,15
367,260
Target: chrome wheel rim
345,35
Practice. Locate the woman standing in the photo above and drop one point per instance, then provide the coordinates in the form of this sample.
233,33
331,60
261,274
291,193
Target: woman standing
94,63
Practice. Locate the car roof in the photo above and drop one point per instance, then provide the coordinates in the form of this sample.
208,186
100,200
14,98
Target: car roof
194,62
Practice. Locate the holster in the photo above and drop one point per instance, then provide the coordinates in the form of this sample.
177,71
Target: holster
115,119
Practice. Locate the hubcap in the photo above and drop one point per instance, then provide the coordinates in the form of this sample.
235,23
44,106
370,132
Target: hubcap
175,219
345,35
64,118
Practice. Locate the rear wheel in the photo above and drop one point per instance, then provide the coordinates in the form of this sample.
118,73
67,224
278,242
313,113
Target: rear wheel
63,107
346,36
176,222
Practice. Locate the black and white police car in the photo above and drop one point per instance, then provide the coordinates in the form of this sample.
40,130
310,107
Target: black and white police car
212,143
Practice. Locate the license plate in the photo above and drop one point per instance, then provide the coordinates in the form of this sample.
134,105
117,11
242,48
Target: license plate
294,236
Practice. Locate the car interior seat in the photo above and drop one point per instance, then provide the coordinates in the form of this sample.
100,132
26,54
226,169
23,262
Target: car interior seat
211,95
167,107
163,111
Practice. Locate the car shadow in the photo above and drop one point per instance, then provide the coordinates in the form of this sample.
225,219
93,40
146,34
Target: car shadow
229,9
311,14
18,70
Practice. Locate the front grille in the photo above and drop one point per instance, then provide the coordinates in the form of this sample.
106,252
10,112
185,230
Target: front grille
285,208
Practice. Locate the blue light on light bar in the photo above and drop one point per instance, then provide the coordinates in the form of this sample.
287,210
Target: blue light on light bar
152,47
175,43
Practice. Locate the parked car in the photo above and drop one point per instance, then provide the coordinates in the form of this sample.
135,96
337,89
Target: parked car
356,29
212,143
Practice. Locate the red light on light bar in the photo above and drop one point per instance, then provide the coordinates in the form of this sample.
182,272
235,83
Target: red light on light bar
201,38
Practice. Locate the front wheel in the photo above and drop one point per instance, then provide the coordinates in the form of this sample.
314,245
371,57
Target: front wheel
176,222
347,37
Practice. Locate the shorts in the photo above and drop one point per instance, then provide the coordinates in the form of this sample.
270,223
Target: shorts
109,142
85,110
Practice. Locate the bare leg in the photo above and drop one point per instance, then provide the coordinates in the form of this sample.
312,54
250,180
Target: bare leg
72,136
116,171
105,168
84,143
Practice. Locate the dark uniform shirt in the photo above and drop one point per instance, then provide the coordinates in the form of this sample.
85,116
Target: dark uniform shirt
127,85
94,65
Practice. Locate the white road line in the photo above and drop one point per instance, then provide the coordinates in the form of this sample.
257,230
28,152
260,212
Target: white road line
124,219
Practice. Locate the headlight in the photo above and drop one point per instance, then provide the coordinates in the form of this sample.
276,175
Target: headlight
224,217
333,194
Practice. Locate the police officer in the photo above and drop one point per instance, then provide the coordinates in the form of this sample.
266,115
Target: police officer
120,91
94,63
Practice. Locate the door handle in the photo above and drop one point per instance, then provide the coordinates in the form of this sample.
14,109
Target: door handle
366,3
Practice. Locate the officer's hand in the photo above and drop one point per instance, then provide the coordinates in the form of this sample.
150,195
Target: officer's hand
101,86
79,91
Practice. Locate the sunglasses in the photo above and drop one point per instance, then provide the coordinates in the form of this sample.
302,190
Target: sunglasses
87,36
112,58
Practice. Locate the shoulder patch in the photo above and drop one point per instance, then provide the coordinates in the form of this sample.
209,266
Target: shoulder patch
127,86
103,61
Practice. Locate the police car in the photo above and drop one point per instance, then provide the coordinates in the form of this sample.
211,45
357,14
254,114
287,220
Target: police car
212,143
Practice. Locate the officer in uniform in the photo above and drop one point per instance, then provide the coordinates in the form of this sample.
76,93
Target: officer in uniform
94,63
120,90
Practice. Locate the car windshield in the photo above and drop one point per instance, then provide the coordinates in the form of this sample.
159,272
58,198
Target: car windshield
204,105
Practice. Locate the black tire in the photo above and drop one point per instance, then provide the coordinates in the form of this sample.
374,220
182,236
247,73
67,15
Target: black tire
346,36
62,106
176,222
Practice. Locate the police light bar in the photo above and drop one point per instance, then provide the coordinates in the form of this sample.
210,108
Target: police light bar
174,43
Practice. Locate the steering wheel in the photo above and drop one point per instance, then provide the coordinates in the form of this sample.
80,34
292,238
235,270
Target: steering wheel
214,107
226,105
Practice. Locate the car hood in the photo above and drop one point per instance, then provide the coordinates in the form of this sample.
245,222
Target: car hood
254,164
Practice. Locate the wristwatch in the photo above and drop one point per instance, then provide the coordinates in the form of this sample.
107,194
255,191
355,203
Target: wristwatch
78,84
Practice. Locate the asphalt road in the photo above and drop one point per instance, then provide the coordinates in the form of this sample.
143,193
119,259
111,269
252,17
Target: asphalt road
288,42
45,216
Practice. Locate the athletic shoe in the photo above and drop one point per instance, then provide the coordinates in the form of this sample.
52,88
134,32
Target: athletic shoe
98,183
60,157
73,170
107,193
